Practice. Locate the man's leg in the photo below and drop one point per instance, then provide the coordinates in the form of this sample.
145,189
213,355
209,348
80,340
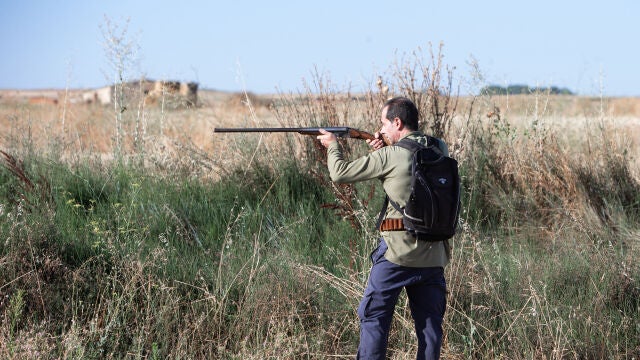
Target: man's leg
427,299
377,306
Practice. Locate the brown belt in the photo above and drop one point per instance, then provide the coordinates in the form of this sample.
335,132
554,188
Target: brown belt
391,225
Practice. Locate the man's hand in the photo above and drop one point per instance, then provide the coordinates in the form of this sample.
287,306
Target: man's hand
376,143
326,138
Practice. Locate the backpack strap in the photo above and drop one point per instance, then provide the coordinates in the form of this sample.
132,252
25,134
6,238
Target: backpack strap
385,204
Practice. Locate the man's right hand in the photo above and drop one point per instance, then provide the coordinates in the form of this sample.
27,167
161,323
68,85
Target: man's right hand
376,143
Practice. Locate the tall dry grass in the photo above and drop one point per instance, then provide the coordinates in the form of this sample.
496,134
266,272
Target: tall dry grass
168,255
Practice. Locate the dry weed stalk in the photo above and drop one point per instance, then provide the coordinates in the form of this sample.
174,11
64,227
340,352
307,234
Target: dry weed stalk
120,52
430,87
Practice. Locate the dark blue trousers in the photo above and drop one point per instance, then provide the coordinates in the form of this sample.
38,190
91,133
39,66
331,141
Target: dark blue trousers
426,290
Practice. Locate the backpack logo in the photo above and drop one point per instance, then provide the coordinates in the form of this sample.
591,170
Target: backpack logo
442,181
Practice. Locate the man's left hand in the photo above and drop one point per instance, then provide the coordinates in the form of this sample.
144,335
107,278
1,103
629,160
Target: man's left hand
326,138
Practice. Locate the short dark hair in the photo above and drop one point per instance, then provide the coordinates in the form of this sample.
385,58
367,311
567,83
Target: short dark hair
404,109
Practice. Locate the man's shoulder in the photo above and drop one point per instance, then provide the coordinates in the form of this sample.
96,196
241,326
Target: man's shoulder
425,140
416,137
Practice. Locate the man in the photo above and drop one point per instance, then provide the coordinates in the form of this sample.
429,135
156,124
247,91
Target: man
401,260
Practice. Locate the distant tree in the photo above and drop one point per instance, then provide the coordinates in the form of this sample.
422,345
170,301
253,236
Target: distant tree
519,89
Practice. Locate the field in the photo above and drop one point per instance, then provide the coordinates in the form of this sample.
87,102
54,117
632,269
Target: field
89,129
133,231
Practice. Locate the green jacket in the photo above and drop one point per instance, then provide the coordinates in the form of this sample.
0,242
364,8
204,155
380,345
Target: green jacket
392,166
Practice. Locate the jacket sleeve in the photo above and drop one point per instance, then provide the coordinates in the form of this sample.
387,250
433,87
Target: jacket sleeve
370,166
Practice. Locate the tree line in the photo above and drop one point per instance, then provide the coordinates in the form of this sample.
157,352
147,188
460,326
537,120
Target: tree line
523,89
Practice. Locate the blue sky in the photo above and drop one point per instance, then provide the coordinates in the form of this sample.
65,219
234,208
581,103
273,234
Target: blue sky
590,47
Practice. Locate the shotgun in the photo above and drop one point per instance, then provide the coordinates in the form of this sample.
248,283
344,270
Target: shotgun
339,131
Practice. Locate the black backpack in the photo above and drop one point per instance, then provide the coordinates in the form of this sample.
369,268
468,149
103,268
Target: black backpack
433,208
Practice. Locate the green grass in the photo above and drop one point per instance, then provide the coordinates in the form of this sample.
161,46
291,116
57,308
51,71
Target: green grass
120,261
120,230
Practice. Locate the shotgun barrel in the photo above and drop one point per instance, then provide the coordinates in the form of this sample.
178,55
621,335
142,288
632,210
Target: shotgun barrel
339,131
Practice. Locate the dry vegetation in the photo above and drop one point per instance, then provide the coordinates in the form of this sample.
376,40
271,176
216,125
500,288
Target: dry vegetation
77,129
132,231
544,265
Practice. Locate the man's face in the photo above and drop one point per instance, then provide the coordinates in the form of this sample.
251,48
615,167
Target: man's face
390,128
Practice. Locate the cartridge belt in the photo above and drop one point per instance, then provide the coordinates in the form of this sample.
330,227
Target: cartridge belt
392,225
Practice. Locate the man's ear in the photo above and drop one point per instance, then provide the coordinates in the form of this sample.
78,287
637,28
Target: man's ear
398,123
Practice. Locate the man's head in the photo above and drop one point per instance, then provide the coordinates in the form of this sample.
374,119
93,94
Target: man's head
399,117
405,110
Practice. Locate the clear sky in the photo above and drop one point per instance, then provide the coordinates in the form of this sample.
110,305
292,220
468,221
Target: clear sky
590,47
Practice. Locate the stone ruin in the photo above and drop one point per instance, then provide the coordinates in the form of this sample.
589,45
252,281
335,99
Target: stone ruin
172,94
